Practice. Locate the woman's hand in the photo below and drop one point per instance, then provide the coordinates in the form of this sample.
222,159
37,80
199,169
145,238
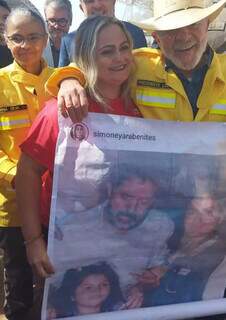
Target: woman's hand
38,258
72,100
151,277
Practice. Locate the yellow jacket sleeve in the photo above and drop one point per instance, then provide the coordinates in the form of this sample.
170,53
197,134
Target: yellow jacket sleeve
7,167
52,85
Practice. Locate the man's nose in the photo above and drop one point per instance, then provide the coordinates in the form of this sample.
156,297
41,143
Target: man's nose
183,33
132,205
97,5
56,26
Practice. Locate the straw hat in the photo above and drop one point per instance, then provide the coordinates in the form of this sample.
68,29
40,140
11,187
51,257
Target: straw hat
174,14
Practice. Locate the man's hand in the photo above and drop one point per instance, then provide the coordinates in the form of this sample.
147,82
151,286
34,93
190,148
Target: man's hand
38,258
151,276
72,100
134,300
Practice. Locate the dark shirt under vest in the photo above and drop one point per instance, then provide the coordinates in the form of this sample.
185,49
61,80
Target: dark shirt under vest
193,85
6,57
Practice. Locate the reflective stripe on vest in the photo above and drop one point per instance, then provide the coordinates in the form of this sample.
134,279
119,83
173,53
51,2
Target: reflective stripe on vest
219,108
14,122
156,98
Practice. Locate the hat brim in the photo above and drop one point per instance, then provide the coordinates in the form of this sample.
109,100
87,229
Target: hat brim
181,18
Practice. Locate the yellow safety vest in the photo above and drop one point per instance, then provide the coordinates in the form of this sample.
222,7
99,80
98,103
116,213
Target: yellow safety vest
159,94
22,96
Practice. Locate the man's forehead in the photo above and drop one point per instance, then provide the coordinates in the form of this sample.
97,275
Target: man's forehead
54,6
132,182
91,1
86,1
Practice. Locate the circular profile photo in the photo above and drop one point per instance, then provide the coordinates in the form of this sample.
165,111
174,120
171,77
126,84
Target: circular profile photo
79,132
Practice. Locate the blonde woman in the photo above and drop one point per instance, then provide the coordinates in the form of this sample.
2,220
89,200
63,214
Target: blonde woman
107,63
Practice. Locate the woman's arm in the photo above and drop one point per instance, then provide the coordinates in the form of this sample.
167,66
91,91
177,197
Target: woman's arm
28,189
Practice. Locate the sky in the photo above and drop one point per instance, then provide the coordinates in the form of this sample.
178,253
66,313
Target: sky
121,11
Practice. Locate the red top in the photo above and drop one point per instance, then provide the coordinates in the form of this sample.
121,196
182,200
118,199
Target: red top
41,141
116,107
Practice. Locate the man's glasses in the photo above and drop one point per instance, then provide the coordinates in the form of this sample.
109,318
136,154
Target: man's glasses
62,22
19,40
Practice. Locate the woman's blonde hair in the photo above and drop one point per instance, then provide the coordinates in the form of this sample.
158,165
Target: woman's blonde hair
85,53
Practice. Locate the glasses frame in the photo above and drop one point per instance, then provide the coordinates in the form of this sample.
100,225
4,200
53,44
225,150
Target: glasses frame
32,38
62,22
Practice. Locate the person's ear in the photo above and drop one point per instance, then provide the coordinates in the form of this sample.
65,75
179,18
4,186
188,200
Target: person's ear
156,37
208,25
81,8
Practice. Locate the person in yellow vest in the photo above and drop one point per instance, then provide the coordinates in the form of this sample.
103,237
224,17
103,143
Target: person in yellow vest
184,80
22,96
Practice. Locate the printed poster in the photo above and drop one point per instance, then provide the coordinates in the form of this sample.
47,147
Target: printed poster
138,220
